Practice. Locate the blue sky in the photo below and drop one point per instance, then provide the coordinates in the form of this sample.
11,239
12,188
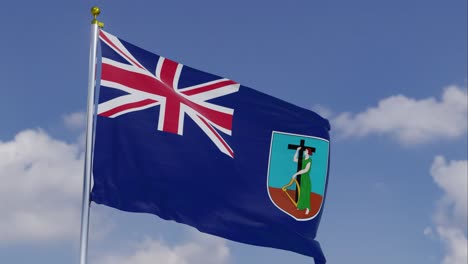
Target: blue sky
390,75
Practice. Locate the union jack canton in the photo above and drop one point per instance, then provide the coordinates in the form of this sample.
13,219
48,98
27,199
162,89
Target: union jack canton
144,88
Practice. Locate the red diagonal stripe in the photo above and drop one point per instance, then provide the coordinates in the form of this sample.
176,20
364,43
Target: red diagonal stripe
218,136
221,119
108,41
128,106
209,87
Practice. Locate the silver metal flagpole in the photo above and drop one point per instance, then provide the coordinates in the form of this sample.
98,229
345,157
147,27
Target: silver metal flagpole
95,11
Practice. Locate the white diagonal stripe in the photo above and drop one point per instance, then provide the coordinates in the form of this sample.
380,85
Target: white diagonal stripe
211,106
180,129
175,83
159,67
119,45
134,109
215,93
190,112
222,129
162,113
116,102
123,66
131,90
202,85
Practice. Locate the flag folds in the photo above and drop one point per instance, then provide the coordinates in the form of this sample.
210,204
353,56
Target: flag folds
205,151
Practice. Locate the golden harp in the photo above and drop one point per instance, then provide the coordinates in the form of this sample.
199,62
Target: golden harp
285,190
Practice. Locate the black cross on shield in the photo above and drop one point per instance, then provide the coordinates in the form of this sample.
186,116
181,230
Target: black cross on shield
299,160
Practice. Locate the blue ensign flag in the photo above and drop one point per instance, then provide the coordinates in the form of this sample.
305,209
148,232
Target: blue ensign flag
202,150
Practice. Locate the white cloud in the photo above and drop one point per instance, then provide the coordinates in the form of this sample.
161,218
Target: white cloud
410,120
456,245
40,190
451,213
428,232
452,178
75,121
323,111
201,249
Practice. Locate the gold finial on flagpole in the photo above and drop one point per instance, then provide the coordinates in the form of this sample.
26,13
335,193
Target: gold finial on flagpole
95,11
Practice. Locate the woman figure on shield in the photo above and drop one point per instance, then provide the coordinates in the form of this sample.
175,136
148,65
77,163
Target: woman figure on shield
306,184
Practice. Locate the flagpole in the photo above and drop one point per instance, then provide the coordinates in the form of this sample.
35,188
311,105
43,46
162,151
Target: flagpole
95,11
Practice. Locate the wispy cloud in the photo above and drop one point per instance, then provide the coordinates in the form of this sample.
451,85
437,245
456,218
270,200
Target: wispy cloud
410,120
75,121
451,213
201,249
323,111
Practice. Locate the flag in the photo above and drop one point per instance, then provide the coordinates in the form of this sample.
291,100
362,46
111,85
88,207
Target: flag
204,151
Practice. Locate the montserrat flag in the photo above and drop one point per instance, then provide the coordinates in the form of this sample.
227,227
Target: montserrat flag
207,152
